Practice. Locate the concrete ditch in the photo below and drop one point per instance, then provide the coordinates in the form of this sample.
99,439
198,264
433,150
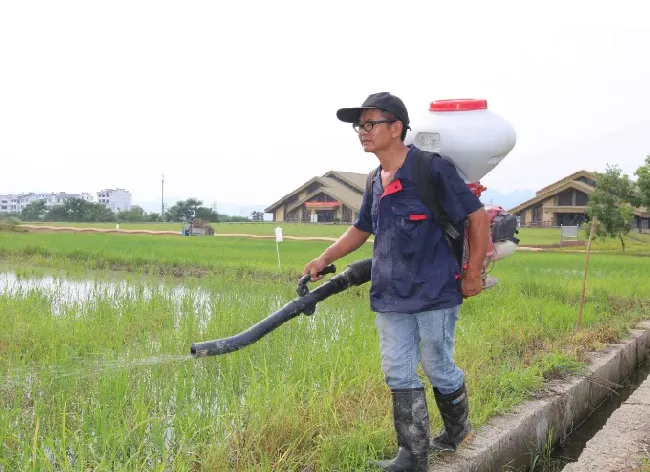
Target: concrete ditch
623,444
511,440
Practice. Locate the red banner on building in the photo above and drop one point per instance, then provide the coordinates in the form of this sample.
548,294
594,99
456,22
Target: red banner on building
321,204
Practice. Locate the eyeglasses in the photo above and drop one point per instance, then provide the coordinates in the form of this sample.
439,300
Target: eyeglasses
369,125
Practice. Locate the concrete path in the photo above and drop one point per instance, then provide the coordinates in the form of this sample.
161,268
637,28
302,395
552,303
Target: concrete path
624,443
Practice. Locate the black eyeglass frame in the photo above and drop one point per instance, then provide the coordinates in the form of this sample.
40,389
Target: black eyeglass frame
358,126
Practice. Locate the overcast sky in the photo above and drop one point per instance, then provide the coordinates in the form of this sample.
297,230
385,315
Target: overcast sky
237,103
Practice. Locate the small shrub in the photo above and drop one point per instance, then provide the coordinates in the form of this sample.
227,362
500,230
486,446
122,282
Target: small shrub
11,224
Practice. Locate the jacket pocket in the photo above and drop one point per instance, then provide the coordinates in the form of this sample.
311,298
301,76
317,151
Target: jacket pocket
411,226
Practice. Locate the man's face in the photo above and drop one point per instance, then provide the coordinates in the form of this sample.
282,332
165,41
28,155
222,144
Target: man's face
381,136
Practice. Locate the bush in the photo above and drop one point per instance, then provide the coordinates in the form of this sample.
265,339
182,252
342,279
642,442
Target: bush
11,224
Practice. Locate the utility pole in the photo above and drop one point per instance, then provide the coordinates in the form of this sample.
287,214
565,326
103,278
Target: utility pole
162,197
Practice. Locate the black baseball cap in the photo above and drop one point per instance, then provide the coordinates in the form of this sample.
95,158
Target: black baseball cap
383,101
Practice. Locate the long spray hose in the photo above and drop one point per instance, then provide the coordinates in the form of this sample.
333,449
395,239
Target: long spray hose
356,273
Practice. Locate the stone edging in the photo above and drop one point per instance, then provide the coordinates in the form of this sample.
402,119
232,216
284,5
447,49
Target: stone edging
510,439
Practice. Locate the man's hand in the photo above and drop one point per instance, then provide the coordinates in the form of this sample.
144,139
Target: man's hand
471,284
351,240
315,266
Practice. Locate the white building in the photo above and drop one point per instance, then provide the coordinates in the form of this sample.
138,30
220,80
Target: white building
15,202
116,199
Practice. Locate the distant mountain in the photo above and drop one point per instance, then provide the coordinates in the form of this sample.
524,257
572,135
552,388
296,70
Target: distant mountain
506,200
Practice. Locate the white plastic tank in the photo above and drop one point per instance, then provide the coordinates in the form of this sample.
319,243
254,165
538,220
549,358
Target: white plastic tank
474,138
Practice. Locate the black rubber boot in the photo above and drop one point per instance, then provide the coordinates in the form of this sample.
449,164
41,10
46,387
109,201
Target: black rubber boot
454,410
411,420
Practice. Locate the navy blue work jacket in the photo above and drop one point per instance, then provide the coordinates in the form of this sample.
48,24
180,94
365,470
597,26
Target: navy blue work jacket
413,269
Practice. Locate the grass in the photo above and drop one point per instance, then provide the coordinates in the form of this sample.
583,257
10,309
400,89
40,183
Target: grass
94,372
528,236
174,255
635,243
534,236
645,463
539,236
257,228
167,255
11,225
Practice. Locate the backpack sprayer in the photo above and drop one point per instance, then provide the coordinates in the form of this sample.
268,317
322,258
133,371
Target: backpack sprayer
476,140
464,131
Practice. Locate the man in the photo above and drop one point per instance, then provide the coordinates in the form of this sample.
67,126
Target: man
417,286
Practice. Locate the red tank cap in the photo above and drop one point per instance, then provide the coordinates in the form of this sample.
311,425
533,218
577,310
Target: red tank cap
459,104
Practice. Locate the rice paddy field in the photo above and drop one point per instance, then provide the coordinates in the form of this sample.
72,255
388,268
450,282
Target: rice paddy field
548,236
529,236
95,371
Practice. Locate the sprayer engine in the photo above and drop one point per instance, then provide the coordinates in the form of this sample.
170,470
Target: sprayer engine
503,228
503,241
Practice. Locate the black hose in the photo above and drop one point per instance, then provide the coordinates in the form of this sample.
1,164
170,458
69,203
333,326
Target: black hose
356,273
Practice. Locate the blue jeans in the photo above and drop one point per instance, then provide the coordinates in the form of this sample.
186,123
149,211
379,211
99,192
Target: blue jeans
406,339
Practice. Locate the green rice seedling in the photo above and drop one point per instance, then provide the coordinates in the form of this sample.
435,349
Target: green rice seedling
95,371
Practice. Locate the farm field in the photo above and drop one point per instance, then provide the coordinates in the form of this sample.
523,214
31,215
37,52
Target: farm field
166,255
95,371
528,236
635,242
257,228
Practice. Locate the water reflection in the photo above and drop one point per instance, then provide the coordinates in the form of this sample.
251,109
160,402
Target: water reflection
75,298
65,293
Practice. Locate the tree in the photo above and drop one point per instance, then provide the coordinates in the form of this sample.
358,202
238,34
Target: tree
207,214
257,216
183,210
34,211
610,203
133,215
233,218
643,183
77,209
57,213
98,212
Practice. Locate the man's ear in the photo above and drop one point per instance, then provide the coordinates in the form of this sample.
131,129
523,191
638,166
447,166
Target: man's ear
397,130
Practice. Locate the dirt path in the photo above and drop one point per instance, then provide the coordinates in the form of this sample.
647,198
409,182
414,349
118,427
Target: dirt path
75,229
